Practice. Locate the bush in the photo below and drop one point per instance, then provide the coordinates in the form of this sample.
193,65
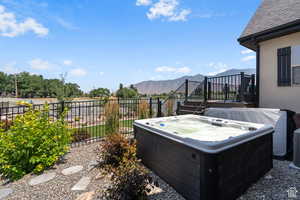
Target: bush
129,182
116,150
33,143
143,110
170,106
80,134
112,117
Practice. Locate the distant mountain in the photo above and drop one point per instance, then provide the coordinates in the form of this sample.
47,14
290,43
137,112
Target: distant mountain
165,86
237,71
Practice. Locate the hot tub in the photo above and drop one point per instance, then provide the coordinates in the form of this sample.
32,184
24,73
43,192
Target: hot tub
204,157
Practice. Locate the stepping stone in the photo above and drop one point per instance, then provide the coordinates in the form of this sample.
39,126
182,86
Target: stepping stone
92,165
86,196
81,184
42,179
5,192
72,170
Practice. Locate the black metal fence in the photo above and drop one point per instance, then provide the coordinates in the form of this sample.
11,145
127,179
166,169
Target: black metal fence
89,119
236,88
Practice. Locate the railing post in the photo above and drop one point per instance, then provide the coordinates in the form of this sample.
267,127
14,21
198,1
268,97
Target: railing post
209,90
242,86
158,108
178,107
226,91
150,107
253,87
205,89
186,94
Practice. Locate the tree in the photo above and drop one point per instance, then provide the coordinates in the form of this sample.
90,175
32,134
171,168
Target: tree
124,92
100,92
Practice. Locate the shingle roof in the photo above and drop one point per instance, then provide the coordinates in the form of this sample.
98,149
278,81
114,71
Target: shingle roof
271,14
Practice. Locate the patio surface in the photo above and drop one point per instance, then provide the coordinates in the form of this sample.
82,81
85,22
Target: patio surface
76,178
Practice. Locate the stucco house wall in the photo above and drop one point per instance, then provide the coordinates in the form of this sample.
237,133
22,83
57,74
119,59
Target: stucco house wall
272,96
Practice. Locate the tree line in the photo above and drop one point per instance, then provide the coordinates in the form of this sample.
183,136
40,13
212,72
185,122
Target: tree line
26,85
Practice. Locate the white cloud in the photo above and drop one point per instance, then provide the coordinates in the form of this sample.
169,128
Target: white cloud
39,64
218,67
183,70
247,51
67,62
101,73
181,16
168,9
10,68
143,2
65,24
78,72
248,58
10,27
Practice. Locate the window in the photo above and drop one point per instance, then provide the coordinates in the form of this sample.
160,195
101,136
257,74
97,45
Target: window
296,75
284,66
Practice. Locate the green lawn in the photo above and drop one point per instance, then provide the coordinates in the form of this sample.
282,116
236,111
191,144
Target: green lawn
99,130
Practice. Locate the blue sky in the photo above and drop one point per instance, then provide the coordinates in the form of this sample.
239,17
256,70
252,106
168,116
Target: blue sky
101,43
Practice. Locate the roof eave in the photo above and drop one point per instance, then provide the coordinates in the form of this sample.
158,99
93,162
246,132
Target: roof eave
251,41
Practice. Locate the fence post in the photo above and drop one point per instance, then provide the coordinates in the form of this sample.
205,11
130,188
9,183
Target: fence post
209,90
178,107
242,86
150,107
205,89
186,89
226,91
158,108
253,87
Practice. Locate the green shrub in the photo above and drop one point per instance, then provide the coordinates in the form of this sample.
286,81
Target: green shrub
81,134
33,143
116,149
130,181
6,124
112,117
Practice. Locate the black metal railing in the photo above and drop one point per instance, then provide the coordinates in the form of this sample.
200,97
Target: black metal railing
87,119
236,88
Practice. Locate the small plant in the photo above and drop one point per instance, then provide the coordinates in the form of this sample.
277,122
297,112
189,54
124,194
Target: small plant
143,110
81,134
170,106
116,150
112,117
32,143
130,181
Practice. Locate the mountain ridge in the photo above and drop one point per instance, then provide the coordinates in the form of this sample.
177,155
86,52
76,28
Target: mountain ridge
165,86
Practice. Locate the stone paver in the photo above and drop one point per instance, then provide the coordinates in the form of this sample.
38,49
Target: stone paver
72,170
5,192
82,184
42,179
86,196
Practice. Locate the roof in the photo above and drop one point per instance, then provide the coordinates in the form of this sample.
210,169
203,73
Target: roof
272,14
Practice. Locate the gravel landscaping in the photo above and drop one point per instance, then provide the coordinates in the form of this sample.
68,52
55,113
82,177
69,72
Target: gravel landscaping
75,177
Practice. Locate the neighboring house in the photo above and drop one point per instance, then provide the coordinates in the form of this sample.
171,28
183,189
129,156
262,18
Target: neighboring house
274,34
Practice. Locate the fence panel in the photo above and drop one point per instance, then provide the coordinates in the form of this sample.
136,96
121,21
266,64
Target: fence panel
93,120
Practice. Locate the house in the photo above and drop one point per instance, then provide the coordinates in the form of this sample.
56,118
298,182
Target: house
274,34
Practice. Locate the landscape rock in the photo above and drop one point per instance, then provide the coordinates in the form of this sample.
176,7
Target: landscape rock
5,192
72,170
42,179
82,184
86,196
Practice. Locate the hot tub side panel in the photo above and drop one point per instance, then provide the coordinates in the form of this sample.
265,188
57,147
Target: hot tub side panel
237,168
176,163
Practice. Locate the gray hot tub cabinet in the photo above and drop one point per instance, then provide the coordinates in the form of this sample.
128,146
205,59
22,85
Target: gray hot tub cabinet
197,174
